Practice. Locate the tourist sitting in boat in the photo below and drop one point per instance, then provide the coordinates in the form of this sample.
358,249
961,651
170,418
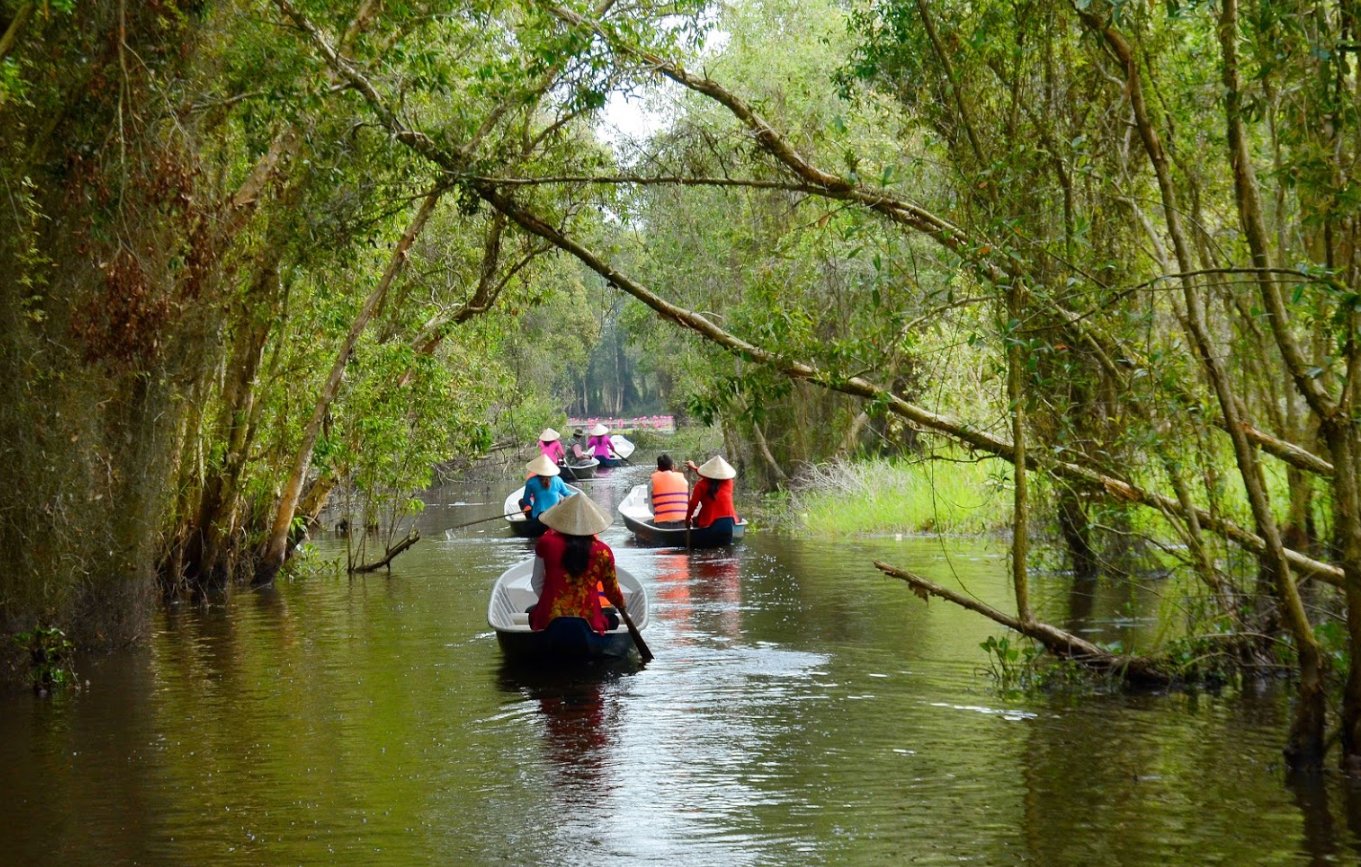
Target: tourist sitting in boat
573,569
668,494
550,445
544,489
578,446
712,496
601,448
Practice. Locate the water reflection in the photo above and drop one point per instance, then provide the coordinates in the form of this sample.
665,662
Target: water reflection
802,709
576,717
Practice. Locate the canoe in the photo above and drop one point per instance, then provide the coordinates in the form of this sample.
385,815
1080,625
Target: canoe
622,446
566,638
583,470
638,518
521,525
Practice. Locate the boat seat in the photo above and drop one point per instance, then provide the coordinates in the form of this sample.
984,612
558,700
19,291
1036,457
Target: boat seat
519,618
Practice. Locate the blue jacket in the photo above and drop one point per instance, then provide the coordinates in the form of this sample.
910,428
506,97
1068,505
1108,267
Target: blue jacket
542,499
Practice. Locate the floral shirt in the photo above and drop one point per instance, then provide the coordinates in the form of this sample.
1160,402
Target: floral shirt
564,595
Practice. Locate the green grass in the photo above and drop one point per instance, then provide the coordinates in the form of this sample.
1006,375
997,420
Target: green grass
919,496
690,441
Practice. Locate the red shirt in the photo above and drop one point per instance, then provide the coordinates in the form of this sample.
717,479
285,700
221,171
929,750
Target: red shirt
711,508
567,595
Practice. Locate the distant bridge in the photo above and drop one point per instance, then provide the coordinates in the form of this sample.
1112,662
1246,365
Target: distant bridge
659,423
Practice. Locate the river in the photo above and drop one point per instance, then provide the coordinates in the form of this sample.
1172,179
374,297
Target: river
802,709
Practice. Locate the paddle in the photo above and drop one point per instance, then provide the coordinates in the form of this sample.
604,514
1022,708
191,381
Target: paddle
485,520
688,546
637,636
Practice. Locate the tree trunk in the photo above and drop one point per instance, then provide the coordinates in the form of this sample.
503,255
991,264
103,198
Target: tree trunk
1306,741
275,549
1020,519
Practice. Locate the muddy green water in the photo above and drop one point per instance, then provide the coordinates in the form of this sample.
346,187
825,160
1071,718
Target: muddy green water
802,709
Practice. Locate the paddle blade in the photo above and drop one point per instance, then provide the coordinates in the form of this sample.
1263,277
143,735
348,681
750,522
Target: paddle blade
637,636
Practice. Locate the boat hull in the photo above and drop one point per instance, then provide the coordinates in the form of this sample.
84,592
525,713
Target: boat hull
566,639
581,472
708,537
529,528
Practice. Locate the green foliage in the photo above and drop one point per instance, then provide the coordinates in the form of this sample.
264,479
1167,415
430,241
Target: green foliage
1011,666
1018,665
50,658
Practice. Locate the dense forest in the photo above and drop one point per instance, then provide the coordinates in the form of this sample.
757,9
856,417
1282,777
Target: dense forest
257,251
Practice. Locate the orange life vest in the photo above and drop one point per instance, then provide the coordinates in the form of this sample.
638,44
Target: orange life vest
670,496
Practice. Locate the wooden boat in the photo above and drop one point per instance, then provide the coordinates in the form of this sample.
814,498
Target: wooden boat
638,518
520,524
566,638
581,470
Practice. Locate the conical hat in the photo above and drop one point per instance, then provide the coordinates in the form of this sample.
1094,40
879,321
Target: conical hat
548,435
576,516
599,430
542,466
717,468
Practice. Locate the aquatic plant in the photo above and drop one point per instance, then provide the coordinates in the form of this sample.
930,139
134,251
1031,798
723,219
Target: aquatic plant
49,653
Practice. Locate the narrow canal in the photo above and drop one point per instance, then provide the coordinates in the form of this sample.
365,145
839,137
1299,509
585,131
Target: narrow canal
802,709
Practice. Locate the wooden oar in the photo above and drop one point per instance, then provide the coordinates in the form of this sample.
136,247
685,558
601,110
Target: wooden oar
637,636
485,520
688,546
567,465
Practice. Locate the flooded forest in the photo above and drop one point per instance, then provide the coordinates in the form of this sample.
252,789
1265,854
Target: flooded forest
1027,332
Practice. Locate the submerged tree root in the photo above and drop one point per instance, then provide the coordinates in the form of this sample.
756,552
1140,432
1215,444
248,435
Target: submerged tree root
412,538
1139,670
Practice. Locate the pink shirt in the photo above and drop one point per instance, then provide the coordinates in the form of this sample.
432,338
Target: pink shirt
554,450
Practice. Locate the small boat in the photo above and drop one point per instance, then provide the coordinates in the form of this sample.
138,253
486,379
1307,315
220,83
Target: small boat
581,470
622,445
520,523
638,518
566,638
622,449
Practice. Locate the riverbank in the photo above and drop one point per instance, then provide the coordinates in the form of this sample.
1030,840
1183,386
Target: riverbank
883,497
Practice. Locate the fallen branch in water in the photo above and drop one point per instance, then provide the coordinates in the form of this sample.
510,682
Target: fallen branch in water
1136,669
412,538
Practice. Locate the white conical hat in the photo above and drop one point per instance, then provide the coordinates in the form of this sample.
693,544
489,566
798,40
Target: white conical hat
599,430
542,466
717,468
576,516
548,435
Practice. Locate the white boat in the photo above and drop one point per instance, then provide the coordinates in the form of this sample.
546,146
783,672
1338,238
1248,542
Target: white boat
566,638
637,517
622,445
520,524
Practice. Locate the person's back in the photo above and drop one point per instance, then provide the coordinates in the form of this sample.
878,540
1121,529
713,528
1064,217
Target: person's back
543,493
550,445
572,568
578,444
669,494
712,496
544,489
599,444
